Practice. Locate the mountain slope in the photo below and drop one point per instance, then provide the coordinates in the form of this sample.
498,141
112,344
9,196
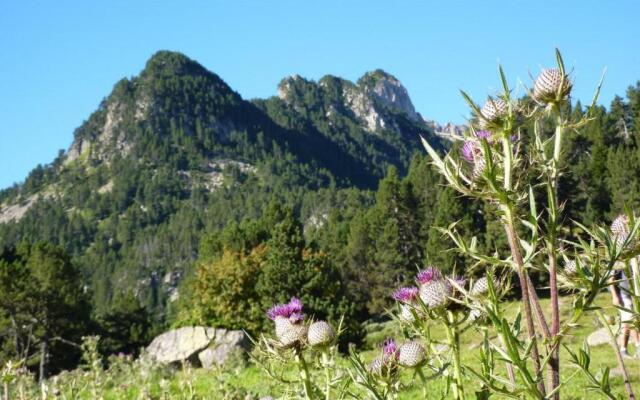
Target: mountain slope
175,152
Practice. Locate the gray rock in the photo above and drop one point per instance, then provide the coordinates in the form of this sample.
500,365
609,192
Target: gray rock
227,344
601,336
181,344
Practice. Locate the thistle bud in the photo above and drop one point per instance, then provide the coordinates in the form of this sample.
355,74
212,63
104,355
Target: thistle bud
290,334
493,111
288,318
620,229
320,334
479,165
411,354
386,363
407,296
481,287
376,366
571,268
551,86
436,293
427,275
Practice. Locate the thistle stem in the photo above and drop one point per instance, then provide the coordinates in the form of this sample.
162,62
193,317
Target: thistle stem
510,372
453,338
516,255
423,379
303,371
326,364
554,361
616,350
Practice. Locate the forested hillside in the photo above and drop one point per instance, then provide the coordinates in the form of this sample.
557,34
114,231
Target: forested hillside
174,152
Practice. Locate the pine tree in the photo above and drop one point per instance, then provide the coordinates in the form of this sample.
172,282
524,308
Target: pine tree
43,297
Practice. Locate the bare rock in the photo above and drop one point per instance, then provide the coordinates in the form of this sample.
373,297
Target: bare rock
226,345
596,338
181,344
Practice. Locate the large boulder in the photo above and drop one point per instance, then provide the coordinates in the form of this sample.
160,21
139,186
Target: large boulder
199,345
181,344
601,336
227,344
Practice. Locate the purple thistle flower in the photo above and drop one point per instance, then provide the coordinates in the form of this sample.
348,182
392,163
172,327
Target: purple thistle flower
427,275
484,135
291,310
469,149
390,349
406,294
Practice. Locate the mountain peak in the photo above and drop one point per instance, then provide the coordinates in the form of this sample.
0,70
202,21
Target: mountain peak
389,92
165,62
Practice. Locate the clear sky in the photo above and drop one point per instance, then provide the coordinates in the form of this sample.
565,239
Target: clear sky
60,58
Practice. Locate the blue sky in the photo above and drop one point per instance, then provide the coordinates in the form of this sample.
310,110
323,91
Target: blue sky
60,58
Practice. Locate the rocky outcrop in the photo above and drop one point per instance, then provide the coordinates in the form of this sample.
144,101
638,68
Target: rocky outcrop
198,345
375,96
226,345
15,211
387,92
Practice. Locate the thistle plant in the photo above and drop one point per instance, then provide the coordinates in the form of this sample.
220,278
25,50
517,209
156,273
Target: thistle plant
310,345
496,167
443,301
512,162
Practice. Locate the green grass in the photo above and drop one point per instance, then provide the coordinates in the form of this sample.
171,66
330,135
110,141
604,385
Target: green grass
142,380
254,381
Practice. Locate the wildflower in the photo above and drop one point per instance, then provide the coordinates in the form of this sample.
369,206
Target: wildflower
406,294
291,310
411,354
481,286
551,86
390,350
570,267
386,363
493,112
472,151
620,228
427,275
287,318
320,334
436,293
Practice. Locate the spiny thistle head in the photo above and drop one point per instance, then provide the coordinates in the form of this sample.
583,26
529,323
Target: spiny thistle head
290,334
436,293
471,149
427,275
481,286
407,313
390,349
620,228
386,363
406,295
551,86
571,267
411,354
291,311
492,113
320,334
287,318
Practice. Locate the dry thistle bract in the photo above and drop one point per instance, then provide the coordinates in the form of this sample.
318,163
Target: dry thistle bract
551,86
320,334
